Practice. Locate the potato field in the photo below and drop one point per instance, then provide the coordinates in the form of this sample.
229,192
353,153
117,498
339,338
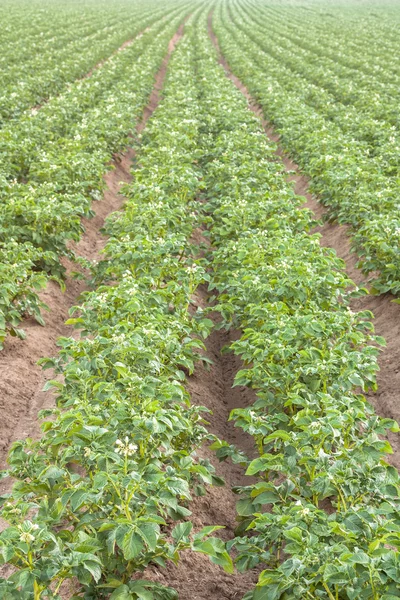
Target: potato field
199,299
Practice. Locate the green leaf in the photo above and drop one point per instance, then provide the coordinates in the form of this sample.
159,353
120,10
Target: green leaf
74,321
208,530
121,593
52,383
294,534
214,548
256,465
94,569
359,558
380,340
78,499
272,592
356,380
132,545
149,533
181,531
267,498
279,434
52,472
245,507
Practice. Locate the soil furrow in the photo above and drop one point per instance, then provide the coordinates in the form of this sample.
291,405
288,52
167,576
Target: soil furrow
160,78
212,387
386,312
21,379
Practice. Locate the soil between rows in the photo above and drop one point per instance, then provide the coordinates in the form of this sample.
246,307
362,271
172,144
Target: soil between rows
195,577
21,379
211,386
333,235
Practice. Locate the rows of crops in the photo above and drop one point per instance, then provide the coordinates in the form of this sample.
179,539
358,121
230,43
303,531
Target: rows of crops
320,464
53,161
109,488
119,459
335,104
61,42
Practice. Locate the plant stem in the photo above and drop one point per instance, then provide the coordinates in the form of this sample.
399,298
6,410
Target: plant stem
329,591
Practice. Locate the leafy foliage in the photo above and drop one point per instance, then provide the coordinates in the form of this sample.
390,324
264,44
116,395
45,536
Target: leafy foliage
107,489
43,49
97,497
321,513
53,163
336,114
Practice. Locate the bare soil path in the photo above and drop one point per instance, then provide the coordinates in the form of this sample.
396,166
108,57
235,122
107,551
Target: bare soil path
387,313
195,577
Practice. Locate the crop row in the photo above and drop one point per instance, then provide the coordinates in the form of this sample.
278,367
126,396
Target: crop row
351,35
359,105
96,496
322,516
43,65
354,175
53,164
352,87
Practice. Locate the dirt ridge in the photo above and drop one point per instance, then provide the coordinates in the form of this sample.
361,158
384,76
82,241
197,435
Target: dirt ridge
386,312
212,387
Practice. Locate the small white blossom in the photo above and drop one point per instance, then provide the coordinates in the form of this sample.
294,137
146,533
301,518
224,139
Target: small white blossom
125,448
26,537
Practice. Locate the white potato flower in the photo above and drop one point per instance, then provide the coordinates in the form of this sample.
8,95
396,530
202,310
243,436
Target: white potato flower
125,448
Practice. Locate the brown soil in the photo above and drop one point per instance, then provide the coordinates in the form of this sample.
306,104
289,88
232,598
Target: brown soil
195,577
21,380
160,78
386,312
